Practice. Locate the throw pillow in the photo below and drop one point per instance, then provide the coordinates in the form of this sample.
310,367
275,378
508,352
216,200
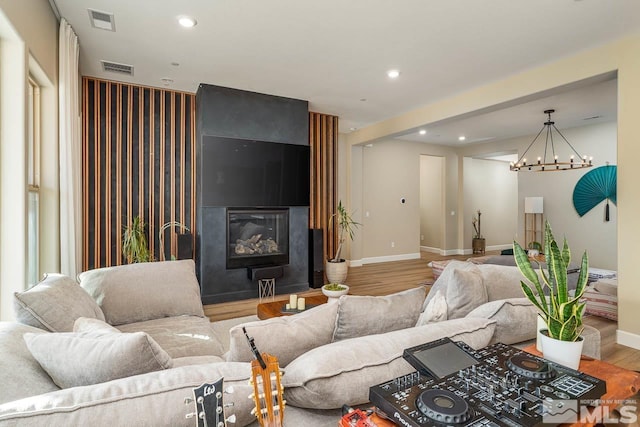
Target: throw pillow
93,327
436,310
445,277
145,291
83,360
515,319
284,337
342,372
54,304
366,315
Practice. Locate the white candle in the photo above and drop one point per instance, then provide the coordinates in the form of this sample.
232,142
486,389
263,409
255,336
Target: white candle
301,303
293,300
288,306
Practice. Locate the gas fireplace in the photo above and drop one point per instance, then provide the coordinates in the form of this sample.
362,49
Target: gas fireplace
257,237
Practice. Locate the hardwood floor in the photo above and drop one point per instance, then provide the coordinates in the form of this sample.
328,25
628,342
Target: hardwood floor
389,277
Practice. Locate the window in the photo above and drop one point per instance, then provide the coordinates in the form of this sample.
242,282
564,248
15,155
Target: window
33,182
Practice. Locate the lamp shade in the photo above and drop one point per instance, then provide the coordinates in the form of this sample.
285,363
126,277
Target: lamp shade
533,205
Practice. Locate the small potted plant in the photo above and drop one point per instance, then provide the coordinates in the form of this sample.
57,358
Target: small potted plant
562,312
478,242
134,242
336,268
333,291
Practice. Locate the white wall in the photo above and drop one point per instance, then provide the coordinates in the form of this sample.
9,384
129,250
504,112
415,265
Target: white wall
432,202
489,186
28,45
590,232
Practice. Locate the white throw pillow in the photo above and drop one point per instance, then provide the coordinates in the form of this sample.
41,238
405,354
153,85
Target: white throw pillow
436,310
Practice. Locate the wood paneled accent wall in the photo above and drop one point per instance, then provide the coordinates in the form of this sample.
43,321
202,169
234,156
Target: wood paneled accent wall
323,139
138,160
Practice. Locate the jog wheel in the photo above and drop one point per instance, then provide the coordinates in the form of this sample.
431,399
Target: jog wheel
443,406
530,367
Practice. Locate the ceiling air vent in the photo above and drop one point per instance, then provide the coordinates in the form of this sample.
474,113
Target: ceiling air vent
114,67
102,20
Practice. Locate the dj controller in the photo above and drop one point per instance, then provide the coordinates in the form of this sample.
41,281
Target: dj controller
500,386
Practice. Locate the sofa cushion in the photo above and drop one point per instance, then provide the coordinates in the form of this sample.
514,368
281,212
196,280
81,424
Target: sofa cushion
285,337
54,304
180,336
22,375
366,315
153,399
196,360
501,281
85,359
342,372
144,291
95,327
515,319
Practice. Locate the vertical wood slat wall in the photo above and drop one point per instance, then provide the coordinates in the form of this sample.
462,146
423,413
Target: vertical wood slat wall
323,139
138,160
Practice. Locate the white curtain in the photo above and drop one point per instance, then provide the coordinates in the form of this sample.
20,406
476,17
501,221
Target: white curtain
70,153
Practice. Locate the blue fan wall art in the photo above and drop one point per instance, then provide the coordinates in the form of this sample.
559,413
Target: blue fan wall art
594,187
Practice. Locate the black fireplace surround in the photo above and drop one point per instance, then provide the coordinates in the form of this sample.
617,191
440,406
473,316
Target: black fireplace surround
252,201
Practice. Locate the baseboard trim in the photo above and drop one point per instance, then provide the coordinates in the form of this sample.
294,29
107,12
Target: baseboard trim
432,250
448,252
389,258
628,339
355,263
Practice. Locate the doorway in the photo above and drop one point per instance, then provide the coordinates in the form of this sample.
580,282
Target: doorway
432,229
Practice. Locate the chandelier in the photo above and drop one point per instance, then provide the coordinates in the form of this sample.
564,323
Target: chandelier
552,164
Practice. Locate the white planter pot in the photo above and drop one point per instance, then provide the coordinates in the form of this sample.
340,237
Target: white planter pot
566,353
334,295
336,271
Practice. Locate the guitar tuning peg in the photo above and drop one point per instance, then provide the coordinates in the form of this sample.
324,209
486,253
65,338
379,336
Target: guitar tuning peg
190,415
218,395
188,401
284,402
254,411
231,419
251,382
252,395
219,410
229,390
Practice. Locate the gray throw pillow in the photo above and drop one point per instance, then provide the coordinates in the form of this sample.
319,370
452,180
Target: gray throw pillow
94,327
54,304
515,319
366,315
284,337
145,291
85,359
464,292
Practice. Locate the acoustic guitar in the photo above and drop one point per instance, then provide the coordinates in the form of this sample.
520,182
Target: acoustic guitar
209,406
267,388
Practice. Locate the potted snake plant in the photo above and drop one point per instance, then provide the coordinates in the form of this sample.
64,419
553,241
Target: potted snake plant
562,312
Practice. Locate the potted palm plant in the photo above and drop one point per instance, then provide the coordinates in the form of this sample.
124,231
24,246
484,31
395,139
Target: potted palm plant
562,312
478,243
336,268
135,247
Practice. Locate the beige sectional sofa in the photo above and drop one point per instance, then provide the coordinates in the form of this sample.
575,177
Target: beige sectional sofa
127,345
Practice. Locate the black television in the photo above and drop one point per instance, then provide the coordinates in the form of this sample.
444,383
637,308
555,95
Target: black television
249,173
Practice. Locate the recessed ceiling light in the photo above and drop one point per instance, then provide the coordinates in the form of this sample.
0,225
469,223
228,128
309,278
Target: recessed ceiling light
422,132
187,21
166,81
393,74
352,129
175,64
462,138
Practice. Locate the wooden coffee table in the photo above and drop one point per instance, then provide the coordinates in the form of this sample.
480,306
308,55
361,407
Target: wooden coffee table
267,310
621,383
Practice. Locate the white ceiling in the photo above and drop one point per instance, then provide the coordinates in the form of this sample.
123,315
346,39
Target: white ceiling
335,53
